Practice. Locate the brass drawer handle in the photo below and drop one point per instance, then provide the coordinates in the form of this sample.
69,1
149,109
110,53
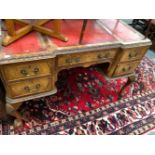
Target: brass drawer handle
131,55
100,56
123,69
38,86
36,70
106,55
126,69
27,89
73,60
77,59
24,72
68,60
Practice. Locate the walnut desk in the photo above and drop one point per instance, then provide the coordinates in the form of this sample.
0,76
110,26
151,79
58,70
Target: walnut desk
29,66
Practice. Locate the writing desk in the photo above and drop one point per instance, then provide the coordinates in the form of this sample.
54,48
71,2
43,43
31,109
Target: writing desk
29,66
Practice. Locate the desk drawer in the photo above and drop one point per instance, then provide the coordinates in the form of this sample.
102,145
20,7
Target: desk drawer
27,69
126,68
133,54
78,58
29,87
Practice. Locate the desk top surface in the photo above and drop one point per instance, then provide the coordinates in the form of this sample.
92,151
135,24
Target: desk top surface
108,33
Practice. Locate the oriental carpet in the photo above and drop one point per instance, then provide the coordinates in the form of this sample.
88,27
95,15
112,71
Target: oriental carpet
87,103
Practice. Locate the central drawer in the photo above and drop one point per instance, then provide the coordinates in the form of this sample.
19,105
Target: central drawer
30,87
27,69
85,57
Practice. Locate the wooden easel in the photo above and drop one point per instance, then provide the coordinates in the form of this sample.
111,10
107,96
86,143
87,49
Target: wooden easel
37,25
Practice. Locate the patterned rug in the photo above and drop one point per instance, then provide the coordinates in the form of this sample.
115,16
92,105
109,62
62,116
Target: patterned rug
87,103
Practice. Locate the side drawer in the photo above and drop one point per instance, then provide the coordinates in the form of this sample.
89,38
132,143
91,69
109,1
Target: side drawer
25,70
30,87
133,54
85,57
126,68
